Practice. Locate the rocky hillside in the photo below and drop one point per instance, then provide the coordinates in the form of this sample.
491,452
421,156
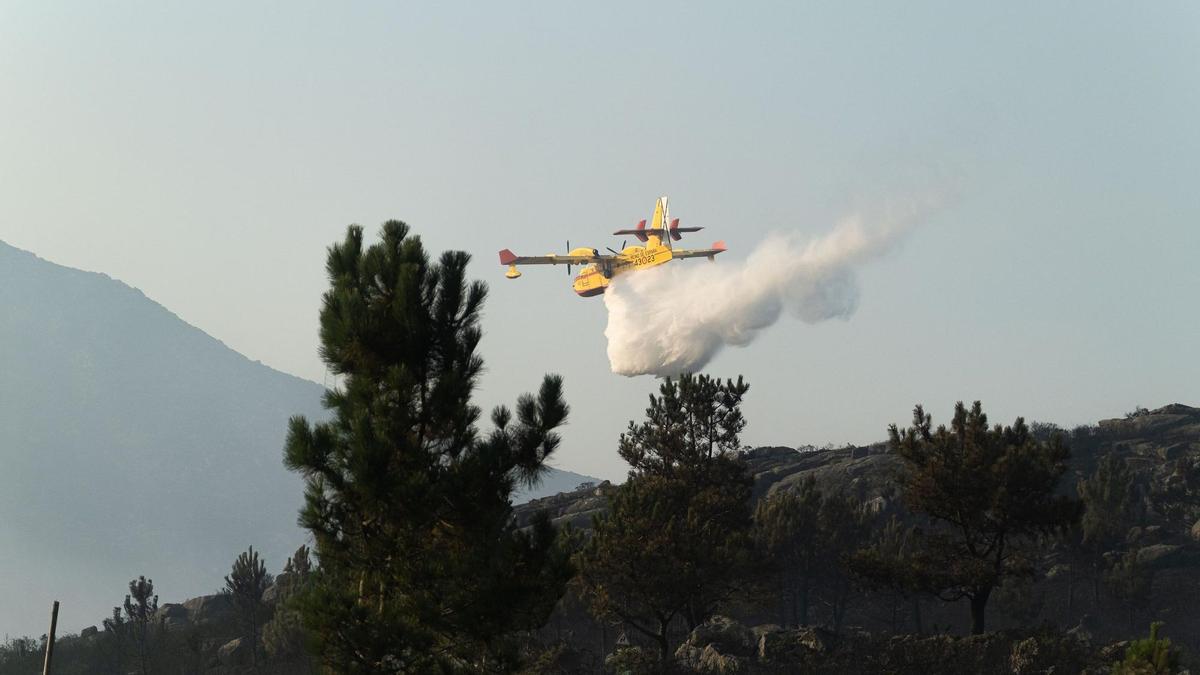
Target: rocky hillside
1159,555
1160,444
722,645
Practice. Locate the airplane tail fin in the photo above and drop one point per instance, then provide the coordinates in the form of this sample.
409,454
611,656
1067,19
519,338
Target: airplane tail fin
662,214
663,228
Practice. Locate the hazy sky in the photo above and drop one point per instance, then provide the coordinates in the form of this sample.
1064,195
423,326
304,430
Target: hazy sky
208,153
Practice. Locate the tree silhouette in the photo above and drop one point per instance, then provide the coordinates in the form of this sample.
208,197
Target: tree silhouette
808,537
676,540
283,635
138,626
1110,509
787,530
986,491
421,567
244,588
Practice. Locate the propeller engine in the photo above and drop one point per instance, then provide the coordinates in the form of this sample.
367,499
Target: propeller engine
623,242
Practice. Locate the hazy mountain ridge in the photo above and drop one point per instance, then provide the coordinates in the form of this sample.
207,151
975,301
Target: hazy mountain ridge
134,443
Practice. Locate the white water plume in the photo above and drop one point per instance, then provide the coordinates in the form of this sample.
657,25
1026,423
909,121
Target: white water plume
675,318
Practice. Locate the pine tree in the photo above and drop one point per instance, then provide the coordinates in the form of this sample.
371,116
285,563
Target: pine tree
891,548
1131,583
986,492
244,588
694,421
676,542
1110,509
809,538
787,530
845,527
283,636
420,564
139,624
1110,503
1150,656
116,632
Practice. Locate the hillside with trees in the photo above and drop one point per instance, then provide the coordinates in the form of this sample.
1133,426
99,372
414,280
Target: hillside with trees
962,545
854,567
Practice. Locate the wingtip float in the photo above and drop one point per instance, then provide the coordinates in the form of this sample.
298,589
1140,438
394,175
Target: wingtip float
598,270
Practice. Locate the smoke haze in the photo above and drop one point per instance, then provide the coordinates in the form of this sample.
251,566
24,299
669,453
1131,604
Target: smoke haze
675,318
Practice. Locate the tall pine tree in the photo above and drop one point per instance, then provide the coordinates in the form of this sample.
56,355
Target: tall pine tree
421,567
675,544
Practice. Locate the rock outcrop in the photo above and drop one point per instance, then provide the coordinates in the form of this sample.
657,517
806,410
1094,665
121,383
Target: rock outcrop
721,645
236,652
209,609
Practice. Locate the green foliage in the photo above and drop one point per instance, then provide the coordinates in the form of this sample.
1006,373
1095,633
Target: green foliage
632,661
1110,508
694,420
845,527
787,531
1151,656
809,538
1109,504
421,566
21,655
244,588
556,659
885,567
987,491
676,539
1130,582
248,580
284,637
137,630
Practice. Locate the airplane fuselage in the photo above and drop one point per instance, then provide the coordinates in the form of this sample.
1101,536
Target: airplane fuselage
594,279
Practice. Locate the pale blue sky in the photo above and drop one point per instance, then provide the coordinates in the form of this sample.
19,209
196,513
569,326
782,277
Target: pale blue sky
207,153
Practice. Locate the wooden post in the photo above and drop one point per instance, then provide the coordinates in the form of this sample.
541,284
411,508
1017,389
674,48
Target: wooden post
50,639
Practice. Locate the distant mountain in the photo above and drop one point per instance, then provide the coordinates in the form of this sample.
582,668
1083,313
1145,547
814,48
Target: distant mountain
554,482
133,443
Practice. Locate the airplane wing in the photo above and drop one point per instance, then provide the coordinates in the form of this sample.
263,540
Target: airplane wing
507,257
717,247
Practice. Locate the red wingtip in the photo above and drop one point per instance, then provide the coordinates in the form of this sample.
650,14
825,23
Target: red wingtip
719,246
507,257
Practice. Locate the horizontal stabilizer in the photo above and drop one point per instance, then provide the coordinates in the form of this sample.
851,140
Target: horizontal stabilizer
659,230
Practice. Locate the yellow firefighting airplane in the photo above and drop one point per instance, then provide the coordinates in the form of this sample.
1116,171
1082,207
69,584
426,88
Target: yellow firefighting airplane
599,269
